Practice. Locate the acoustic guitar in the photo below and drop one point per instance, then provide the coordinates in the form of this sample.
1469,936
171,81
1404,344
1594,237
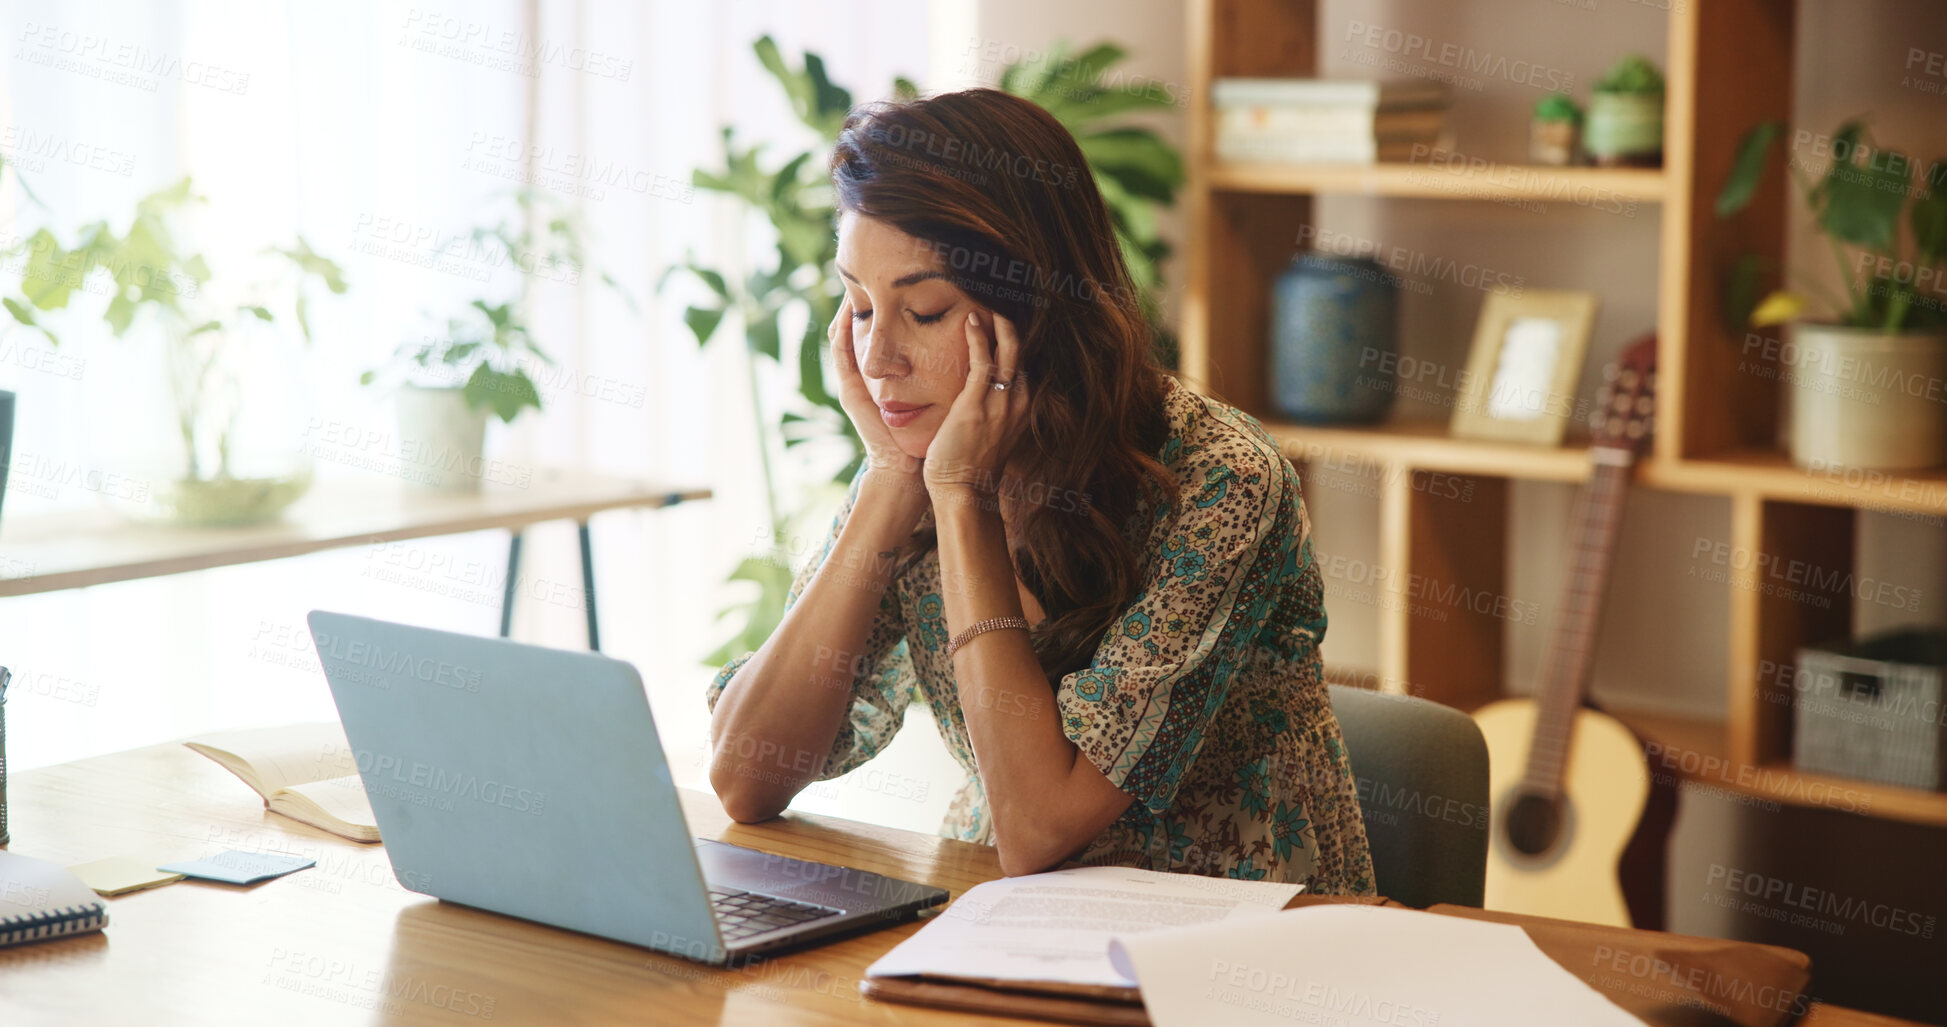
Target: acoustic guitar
1579,823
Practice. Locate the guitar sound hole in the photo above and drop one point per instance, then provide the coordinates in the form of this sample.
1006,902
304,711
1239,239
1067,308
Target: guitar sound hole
1534,823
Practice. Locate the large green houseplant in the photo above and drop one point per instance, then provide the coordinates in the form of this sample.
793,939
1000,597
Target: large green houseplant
1860,376
797,293
156,282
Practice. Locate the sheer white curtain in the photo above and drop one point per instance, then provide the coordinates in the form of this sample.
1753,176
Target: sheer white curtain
377,131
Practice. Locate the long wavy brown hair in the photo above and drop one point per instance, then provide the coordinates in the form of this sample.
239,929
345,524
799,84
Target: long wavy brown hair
1001,193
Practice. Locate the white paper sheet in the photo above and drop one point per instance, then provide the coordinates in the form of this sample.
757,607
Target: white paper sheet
1056,927
1352,966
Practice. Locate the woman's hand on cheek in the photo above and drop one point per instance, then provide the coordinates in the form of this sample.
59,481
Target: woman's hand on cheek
881,452
971,448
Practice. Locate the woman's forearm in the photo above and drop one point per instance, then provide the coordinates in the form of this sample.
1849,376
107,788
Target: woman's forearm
777,718
1046,799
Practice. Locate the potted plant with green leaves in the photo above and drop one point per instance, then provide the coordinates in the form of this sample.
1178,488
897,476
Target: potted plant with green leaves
1555,134
223,353
484,363
1866,379
1624,127
1137,171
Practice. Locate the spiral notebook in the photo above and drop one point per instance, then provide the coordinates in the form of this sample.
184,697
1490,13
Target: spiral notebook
40,900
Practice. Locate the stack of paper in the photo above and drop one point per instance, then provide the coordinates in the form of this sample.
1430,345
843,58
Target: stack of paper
1054,929
1197,951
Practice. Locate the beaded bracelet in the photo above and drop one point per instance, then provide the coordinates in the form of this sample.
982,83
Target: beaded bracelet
981,627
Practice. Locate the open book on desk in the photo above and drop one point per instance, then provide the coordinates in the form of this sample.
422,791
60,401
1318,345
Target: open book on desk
304,771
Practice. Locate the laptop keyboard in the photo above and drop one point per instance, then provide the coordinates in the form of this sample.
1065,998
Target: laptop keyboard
742,914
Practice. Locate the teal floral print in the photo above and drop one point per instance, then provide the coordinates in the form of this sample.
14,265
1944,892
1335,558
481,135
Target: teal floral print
1205,700
1254,788
1243,871
1287,830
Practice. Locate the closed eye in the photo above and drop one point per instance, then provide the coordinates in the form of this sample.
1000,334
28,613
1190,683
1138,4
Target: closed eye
925,319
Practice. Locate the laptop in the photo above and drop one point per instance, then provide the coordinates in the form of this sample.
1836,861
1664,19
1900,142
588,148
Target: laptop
531,782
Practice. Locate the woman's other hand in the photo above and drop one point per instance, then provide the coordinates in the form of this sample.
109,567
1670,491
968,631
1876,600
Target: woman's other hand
987,418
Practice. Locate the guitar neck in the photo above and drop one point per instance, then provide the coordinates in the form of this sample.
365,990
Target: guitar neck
1598,518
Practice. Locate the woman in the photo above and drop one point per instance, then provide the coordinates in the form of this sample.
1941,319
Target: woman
1100,582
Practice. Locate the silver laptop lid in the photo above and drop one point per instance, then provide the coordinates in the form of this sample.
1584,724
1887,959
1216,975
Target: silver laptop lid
520,779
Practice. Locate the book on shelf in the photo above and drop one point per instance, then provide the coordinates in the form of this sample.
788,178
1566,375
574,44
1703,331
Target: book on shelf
1389,95
1315,121
304,771
1323,151
39,900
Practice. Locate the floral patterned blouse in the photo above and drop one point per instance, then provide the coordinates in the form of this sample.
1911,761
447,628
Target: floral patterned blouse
1205,702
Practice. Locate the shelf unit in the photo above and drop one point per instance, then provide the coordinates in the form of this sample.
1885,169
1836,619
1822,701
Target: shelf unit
1715,425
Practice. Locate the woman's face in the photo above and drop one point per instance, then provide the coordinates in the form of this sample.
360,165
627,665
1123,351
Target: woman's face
909,328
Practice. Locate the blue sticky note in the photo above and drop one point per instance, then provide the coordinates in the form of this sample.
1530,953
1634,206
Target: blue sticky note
238,866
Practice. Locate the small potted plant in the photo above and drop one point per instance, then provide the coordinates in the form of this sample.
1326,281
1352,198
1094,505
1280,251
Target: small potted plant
1864,380
221,460
1625,120
1555,135
446,386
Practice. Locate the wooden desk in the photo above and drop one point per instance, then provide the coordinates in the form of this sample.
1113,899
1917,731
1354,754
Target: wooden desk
343,943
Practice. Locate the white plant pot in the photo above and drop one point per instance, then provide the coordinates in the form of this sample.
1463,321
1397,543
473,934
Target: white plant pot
1863,398
441,440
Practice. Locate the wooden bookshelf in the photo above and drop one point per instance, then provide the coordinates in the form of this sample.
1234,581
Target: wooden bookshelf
1717,420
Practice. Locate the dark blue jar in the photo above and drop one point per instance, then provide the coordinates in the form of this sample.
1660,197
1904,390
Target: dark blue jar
1334,339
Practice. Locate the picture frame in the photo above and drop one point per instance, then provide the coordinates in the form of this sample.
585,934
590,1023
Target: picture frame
1520,382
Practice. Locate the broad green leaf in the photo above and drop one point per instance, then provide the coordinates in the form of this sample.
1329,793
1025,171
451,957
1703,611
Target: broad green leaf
1092,62
786,181
811,364
310,262
796,88
121,311
762,612
803,240
703,322
829,103
713,279
504,394
1928,217
761,333
1863,202
1844,147
26,317
1748,168
1141,162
